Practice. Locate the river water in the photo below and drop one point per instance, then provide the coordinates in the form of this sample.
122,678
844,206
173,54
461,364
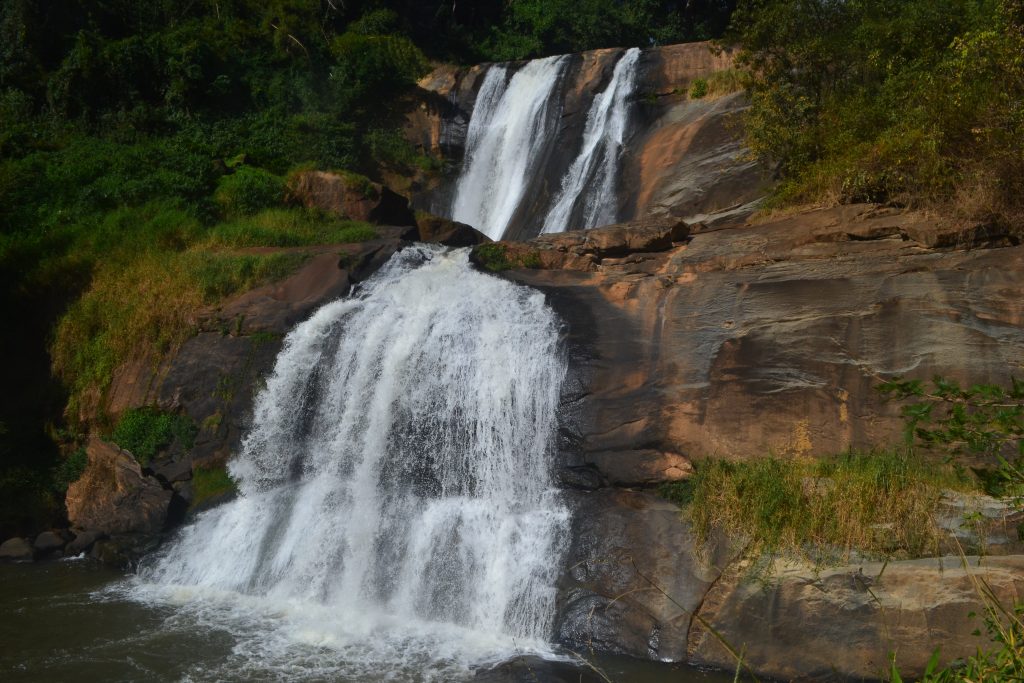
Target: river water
77,621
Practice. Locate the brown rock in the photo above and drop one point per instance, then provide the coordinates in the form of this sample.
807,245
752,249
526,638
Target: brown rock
15,550
444,231
640,468
113,496
351,196
810,623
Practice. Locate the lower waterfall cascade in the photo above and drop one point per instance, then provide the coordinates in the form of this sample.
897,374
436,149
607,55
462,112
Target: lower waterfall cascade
395,489
514,130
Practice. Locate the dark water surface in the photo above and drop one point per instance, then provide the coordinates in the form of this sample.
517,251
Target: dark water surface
76,621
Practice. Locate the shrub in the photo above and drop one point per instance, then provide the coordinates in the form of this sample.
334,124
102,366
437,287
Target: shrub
248,190
70,470
147,430
698,89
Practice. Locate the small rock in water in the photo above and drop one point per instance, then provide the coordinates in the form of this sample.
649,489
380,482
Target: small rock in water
16,550
48,543
83,542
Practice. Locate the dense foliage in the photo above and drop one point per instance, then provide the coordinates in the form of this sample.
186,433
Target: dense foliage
868,100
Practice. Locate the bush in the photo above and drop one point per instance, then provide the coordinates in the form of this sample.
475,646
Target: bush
148,430
70,470
249,190
698,89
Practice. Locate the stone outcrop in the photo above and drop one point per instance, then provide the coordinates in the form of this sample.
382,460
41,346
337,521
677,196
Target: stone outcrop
113,496
747,339
16,550
351,196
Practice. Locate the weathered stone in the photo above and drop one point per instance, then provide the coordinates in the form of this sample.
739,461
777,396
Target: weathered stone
16,550
843,622
351,196
980,524
47,543
113,496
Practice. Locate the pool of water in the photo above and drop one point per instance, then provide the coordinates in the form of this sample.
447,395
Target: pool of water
73,620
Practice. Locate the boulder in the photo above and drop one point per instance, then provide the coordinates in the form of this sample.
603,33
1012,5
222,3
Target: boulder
351,196
47,543
113,496
431,228
82,543
16,550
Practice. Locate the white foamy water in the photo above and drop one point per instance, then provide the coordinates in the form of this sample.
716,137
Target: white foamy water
514,122
587,198
396,508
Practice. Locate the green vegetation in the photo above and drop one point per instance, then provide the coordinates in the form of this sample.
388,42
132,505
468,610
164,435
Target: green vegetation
878,503
210,482
70,470
985,419
496,257
698,89
920,101
148,430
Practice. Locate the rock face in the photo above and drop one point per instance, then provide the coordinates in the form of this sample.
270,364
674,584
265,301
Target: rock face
737,340
750,339
682,157
843,622
113,496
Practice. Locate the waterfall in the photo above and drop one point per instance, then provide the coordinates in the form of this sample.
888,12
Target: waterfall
511,128
396,480
589,186
514,136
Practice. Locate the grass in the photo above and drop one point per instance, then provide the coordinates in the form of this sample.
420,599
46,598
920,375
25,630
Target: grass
146,307
287,228
878,503
210,482
496,257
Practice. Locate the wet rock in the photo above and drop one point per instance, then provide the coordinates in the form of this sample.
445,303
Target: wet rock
123,550
634,576
48,543
113,496
809,623
351,196
536,670
16,550
431,228
585,478
82,543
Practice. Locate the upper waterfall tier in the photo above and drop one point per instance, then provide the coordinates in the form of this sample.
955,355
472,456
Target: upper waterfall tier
513,137
582,140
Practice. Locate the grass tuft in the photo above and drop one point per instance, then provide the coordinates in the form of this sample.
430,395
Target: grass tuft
879,503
